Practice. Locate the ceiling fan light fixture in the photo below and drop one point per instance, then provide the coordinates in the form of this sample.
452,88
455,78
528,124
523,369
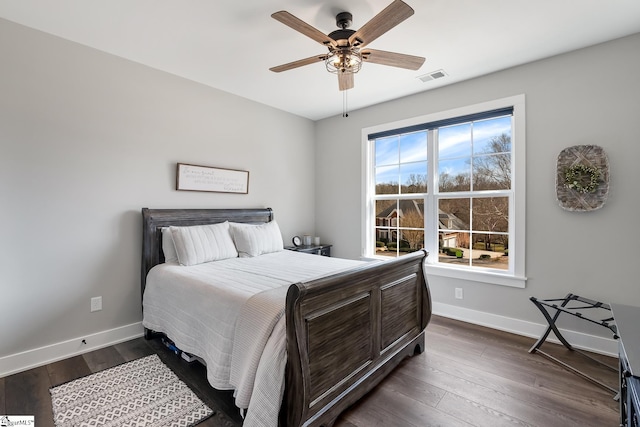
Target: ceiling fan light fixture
344,61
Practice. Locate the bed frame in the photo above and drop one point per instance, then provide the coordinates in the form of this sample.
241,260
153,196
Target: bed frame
345,332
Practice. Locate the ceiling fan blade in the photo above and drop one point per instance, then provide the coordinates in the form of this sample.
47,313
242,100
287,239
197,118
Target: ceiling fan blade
302,27
391,16
393,59
345,81
298,63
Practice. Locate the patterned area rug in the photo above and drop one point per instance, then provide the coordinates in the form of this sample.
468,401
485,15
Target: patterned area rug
141,393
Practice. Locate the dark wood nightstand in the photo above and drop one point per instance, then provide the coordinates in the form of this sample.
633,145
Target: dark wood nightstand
324,250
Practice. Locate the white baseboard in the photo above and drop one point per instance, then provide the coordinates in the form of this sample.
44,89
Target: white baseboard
19,362
29,359
593,343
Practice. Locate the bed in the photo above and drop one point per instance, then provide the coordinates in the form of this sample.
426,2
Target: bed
342,332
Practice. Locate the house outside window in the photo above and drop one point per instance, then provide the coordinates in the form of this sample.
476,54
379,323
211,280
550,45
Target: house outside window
452,183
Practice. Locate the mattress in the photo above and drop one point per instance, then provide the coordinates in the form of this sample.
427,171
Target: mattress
199,307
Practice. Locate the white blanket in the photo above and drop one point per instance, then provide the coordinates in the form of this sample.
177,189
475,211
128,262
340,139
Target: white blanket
255,324
199,306
259,357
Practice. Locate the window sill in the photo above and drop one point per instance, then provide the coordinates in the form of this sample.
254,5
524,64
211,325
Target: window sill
490,277
477,276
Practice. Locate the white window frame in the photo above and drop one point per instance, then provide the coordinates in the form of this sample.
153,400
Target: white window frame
515,277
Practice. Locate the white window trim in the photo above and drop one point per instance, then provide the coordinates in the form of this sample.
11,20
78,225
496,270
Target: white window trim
517,278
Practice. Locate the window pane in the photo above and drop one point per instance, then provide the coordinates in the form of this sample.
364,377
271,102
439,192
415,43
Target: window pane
399,228
412,213
454,175
410,240
453,223
454,214
492,154
386,223
386,150
491,214
490,251
386,210
454,141
389,245
492,172
413,147
387,179
413,177
454,247
390,215
492,136
386,249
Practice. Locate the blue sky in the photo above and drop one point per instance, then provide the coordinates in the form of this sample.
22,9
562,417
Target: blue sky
399,156
402,156
455,141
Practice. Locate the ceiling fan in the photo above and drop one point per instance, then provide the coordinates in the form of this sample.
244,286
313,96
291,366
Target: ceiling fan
347,47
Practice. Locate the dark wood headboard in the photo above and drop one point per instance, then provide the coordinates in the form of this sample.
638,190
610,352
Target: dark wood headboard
153,220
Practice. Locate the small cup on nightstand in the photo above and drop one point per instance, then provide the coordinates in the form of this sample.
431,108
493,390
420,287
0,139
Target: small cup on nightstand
316,241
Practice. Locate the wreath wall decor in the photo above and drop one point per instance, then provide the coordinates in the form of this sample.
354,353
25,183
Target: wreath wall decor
582,178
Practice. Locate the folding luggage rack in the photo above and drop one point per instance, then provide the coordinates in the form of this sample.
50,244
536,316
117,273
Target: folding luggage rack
570,304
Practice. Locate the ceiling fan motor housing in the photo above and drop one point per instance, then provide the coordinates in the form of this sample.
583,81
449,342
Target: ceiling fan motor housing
343,34
343,20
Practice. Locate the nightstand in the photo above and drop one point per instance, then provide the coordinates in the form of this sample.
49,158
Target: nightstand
324,250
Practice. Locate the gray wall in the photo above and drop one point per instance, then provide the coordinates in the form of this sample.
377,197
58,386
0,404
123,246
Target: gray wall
87,140
590,96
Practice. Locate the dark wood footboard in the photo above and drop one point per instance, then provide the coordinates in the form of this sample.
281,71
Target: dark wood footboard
347,331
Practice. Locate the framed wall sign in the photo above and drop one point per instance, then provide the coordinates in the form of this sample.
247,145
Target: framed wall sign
205,178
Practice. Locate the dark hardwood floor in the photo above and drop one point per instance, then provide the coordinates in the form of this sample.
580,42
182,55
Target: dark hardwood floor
468,376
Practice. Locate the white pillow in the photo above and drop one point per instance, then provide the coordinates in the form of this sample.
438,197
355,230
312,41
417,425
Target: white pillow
253,240
168,247
203,243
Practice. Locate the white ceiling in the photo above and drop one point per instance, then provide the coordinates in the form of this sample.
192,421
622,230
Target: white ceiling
231,44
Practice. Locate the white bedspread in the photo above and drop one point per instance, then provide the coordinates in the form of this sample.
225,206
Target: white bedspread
199,307
259,357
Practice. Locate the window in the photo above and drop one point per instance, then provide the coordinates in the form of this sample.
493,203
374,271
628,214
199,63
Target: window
452,183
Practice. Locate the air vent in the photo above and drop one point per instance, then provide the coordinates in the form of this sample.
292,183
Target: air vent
438,74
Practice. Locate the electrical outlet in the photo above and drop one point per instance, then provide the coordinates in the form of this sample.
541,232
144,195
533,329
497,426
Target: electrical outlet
96,304
458,293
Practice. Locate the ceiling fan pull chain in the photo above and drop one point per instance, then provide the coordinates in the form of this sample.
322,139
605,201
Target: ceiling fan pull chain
345,112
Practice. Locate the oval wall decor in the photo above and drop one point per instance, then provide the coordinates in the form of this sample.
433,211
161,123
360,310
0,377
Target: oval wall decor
582,178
